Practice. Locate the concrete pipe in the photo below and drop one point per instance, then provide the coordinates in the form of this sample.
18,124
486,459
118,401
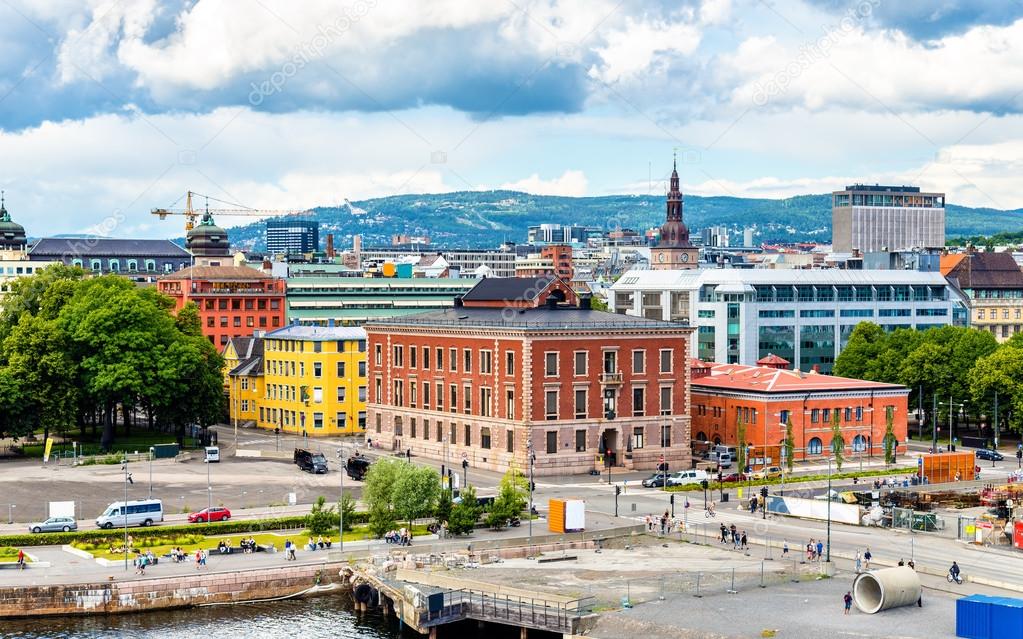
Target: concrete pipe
886,588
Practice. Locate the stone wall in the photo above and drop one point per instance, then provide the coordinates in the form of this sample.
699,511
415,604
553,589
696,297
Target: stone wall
162,593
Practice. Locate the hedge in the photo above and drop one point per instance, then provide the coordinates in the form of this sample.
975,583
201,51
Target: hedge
219,528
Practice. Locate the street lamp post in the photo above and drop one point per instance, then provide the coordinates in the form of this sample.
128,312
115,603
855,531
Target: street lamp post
532,459
209,494
152,451
10,513
124,508
340,503
828,559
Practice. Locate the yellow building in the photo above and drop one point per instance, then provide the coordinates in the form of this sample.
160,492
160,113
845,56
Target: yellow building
314,380
243,379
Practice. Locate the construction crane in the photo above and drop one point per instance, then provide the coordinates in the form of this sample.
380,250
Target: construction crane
237,209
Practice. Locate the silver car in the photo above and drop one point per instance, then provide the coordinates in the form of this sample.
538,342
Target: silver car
54,524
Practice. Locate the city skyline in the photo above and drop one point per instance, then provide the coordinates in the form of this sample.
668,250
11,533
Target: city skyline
107,111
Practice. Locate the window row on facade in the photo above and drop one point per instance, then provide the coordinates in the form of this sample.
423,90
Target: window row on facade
314,394
290,368
286,419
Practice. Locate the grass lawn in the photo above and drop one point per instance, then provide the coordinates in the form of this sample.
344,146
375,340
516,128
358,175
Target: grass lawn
10,555
140,440
190,543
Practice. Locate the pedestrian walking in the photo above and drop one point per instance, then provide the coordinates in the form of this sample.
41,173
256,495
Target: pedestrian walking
625,486
911,564
810,551
785,549
198,558
859,563
202,557
848,601
21,559
820,550
724,533
745,546
866,558
901,563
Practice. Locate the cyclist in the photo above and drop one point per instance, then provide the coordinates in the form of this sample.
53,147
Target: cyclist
953,573
710,510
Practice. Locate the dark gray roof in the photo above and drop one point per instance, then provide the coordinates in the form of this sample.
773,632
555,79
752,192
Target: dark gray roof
539,319
503,289
59,247
248,368
250,355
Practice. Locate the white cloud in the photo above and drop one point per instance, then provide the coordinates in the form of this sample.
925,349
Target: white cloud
571,183
714,12
642,44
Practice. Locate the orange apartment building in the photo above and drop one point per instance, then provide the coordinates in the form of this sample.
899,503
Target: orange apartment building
765,396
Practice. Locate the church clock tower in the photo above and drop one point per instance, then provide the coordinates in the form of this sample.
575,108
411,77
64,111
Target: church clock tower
674,250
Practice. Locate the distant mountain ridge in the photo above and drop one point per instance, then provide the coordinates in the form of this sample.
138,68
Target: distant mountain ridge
473,219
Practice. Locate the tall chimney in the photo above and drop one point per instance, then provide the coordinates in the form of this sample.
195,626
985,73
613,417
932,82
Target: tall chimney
357,250
330,246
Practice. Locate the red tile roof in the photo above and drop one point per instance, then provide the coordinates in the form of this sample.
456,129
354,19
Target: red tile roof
771,380
773,359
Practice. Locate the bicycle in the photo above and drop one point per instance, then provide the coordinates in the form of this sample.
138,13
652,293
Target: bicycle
709,513
956,578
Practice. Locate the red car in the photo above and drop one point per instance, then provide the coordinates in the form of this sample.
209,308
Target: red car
733,477
217,513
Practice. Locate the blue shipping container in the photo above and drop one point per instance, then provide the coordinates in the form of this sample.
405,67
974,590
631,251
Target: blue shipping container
1007,617
973,617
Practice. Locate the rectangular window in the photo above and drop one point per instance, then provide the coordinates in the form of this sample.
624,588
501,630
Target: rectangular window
245,383
485,438
580,403
638,401
453,434
318,395
666,360
783,416
399,395
580,363
859,413
412,394
341,393
317,420
815,415
399,355
666,436
467,399
453,404
362,419
426,422
376,356
426,391
510,440
848,414
468,435
341,419
509,362
509,403
551,364
453,359
317,367
580,440
466,360
551,404
666,400
362,393
362,369
552,442
440,359
485,397
317,347
379,397
341,370
638,362
487,362
440,396
378,424
426,357
637,437
413,356
412,428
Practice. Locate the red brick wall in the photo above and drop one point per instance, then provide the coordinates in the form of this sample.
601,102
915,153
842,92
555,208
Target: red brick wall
804,429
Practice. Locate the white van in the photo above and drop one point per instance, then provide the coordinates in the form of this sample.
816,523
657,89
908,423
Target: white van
684,477
141,512
212,454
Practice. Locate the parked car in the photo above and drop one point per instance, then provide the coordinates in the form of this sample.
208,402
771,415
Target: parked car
217,513
654,481
989,455
309,461
734,477
771,472
357,467
683,477
141,512
54,524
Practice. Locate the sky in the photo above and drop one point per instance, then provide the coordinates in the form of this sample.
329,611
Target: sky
109,108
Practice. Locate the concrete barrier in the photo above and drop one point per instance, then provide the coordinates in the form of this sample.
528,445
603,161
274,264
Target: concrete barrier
265,454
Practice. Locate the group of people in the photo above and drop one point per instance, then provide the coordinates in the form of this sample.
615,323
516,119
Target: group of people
225,547
667,523
815,550
402,537
142,560
200,558
289,550
248,545
318,543
863,561
177,555
732,535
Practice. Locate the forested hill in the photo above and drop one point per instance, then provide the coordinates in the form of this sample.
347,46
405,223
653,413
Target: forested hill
486,218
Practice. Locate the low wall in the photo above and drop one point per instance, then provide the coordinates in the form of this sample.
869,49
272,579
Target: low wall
265,454
163,593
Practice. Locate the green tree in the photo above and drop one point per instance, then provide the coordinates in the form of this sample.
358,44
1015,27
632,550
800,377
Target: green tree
346,506
465,513
320,520
890,442
597,303
381,520
865,343
1001,372
511,499
415,492
837,439
443,510
790,444
740,436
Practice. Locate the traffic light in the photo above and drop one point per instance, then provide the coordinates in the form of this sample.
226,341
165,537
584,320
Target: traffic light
703,484
671,499
763,491
465,464
618,490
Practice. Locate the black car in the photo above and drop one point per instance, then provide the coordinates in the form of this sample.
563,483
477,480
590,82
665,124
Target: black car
310,462
654,481
357,467
989,455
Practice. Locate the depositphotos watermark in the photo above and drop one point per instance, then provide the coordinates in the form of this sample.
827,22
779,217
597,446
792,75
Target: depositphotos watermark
813,52
310,50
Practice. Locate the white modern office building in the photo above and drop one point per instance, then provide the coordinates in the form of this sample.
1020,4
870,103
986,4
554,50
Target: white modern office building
805,316
886,218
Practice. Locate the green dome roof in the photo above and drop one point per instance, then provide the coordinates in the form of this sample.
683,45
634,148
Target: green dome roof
12,234
207,239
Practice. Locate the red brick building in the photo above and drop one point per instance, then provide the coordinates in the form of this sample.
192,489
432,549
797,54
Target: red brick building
512,365
233,301
767,395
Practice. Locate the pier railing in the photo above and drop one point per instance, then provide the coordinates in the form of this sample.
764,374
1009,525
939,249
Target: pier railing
541,614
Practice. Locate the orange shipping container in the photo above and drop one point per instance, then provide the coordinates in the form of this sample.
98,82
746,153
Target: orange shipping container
940,468
556,515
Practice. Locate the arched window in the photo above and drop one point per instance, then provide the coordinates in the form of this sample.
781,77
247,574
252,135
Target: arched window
133,265
717,439
150,265
859,444
815,446
115,266
77,262
701,436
